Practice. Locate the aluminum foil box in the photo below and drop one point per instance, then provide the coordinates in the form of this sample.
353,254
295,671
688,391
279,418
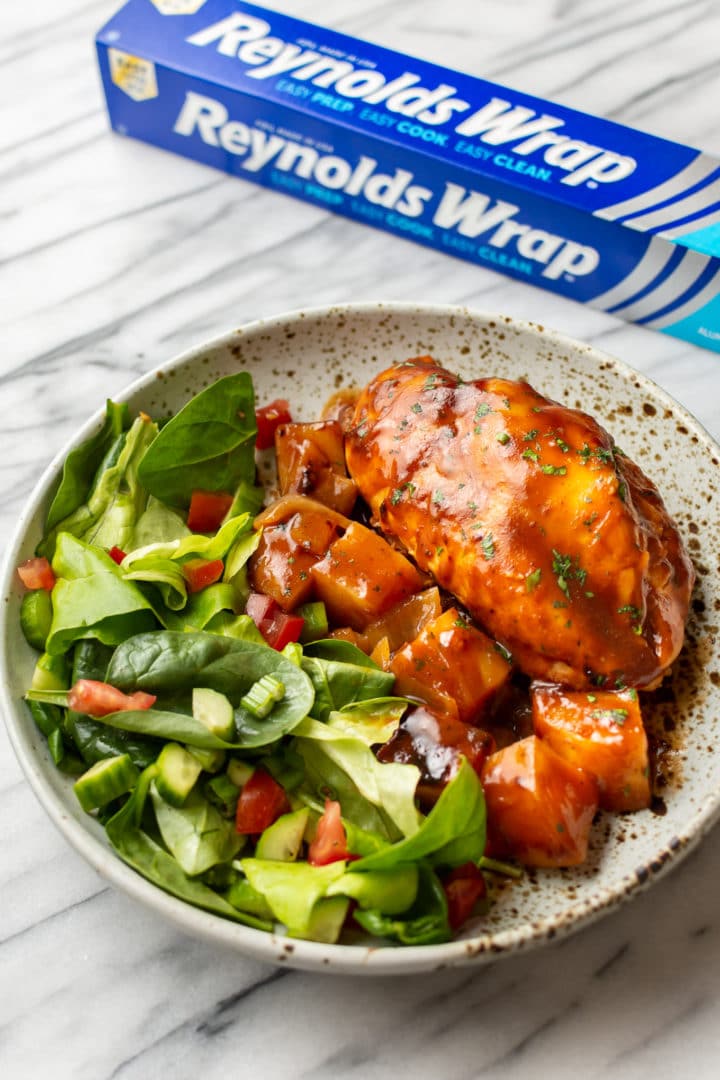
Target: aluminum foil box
609,216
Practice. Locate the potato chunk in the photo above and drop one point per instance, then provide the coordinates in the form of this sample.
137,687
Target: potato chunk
311,461
287,552
603,733
361,577
540,807
452,666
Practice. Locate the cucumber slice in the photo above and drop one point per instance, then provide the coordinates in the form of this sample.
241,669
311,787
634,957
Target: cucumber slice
51,673
390,891
35,617
239,771
326,920
105,781
214,711
211,761
283,839
178,771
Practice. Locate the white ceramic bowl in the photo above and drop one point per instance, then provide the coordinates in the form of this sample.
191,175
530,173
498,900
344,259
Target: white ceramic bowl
305,356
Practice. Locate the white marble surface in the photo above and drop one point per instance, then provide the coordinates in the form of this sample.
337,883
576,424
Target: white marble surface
113,257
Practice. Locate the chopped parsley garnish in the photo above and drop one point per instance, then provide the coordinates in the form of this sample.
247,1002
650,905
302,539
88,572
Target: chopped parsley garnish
565,570
430,381
503,438
488,546
590,521
630,609
554,470
438,498
585,453
610,716
439,551
622,491
399,492
530,435
562,444
536,408
603,455
417,407
592,698
531,455
482,410
533,580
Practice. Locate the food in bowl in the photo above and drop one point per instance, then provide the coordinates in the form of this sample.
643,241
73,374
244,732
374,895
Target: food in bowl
287,721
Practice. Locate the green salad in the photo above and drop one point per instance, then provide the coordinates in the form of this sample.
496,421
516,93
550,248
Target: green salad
230,756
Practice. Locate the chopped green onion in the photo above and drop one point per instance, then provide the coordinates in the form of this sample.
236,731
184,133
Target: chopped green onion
263,696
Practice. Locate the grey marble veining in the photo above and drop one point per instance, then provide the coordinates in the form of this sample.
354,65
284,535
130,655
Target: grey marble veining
115,256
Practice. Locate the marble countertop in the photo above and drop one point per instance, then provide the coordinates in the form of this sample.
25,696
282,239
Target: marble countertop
115,256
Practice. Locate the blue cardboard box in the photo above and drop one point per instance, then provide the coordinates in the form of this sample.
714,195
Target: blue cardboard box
612,217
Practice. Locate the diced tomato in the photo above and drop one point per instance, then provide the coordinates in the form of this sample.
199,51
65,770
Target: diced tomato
276,627
330,843
282,629
98,698
36,574
463,887
199,573
116,554
207,510
268,418
262,801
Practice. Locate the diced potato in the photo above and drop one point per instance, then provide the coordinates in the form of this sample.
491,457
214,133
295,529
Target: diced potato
450,661
361,577
287,551
311,461
404,621
436,742
540,807
601,732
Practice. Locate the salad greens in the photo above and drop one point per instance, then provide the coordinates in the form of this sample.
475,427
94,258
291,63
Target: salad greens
127,621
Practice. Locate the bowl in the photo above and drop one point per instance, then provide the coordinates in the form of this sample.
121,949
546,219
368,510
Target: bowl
306,356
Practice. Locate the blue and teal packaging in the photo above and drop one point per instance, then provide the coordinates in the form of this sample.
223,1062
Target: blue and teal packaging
612,217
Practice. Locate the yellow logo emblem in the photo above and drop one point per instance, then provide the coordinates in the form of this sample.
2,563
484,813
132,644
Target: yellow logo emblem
135,76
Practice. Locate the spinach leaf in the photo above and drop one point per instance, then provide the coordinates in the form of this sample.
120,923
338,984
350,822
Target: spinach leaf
209,444
95,740
426,923
146,856
337,683
91,598
195,833
453,832
81,465
335,649
169,664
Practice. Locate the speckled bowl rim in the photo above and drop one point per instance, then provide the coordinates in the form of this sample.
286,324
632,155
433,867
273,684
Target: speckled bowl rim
271,948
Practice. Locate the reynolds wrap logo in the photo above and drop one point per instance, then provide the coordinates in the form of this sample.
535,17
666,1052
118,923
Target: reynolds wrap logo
497,123
470,214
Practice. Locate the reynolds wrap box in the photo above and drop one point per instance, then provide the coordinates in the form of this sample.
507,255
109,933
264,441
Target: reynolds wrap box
612,217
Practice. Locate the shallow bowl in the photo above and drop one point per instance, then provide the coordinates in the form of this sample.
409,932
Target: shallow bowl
305,356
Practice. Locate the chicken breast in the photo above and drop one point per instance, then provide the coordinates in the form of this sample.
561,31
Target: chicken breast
525,510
